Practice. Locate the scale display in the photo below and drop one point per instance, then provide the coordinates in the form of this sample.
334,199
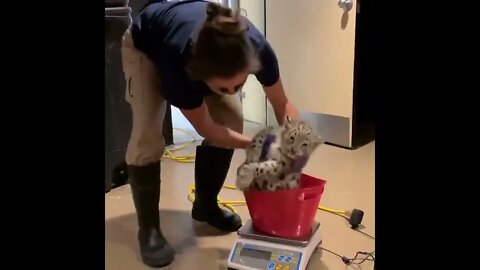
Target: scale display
264,257
255,253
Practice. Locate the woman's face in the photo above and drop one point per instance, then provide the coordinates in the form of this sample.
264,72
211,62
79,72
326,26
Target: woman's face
228,86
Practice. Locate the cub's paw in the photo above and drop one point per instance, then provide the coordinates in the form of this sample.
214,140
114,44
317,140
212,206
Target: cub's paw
245,175
292,181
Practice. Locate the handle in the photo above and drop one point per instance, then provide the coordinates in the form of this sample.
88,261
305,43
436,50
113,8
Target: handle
346,5
309,195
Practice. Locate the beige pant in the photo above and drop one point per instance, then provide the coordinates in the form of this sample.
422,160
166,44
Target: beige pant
146,144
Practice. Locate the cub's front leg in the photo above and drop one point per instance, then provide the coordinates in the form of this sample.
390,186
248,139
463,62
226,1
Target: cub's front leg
246,173
245,176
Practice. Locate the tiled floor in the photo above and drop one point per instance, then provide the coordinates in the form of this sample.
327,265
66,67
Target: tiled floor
351,184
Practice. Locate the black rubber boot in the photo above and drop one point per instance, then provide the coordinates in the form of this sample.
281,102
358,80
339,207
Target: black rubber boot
119,175
145,184
211,168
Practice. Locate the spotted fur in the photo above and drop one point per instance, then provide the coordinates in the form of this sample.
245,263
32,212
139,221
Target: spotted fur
276,156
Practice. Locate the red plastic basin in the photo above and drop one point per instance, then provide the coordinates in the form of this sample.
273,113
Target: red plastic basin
286,213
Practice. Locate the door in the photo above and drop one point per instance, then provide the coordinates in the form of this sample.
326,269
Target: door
315,44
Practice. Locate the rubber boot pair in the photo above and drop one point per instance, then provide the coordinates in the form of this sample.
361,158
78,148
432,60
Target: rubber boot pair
211,168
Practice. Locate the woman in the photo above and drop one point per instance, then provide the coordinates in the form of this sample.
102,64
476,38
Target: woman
196,55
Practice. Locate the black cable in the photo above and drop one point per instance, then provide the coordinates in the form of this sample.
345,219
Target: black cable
336,254
364,233
369,257
355,229
355,220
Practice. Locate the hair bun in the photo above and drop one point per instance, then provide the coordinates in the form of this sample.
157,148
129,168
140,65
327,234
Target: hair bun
225,20
214,10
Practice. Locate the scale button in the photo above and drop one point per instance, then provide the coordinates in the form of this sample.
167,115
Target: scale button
286,267
288,259
279,266
280,258
271,265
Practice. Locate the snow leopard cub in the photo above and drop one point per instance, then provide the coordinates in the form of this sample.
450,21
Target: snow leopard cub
276,156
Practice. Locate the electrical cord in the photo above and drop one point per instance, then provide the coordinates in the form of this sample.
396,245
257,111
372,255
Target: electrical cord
181,158
364,233
230,204
366,256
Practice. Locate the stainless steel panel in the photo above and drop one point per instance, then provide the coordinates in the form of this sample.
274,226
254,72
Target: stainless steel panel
334,129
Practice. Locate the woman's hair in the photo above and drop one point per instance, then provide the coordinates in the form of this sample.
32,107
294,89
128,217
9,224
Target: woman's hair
222,48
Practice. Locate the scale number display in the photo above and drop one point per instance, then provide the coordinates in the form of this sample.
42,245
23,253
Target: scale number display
264,257
256,253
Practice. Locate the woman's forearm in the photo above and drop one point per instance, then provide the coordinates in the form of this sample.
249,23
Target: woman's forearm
225,137
288,110
282,107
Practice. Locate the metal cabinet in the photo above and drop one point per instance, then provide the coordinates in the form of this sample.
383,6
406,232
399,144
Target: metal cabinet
118,118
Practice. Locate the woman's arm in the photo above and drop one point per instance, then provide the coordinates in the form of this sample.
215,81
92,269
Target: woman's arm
280,103
217,134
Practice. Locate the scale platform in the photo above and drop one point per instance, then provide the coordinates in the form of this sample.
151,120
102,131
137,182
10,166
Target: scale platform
257,251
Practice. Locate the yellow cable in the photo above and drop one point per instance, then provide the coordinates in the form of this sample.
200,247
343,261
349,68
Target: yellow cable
227,204
181,158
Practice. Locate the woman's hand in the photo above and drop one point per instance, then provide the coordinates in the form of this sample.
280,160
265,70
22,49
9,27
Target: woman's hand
217,134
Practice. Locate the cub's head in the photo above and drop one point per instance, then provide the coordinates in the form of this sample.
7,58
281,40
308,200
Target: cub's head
299,139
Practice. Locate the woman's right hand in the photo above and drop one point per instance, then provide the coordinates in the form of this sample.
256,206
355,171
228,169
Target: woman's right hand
218,135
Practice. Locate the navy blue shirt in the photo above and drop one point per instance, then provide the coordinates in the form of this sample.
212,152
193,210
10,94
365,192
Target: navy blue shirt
164,32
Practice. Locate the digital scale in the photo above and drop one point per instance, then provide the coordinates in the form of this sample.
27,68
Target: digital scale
256,251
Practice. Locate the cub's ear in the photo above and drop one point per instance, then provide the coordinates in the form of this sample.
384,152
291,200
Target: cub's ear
318,139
